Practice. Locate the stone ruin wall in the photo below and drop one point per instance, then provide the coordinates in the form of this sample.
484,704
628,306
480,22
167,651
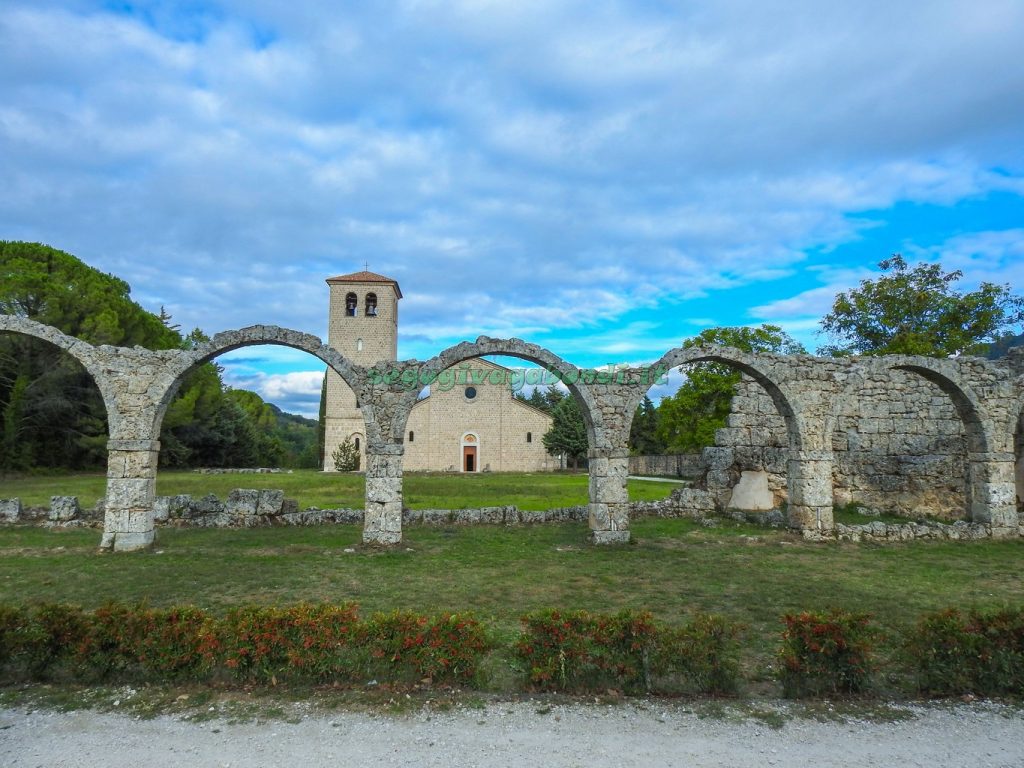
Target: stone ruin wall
899,446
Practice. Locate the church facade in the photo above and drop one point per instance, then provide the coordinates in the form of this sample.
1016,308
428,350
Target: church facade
468,422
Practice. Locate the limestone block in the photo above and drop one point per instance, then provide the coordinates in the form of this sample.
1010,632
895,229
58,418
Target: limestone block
466,516
693,499
716,458
127,492
383,490
348,516
412,516
532,516
437,516
752,492
382,524
241,505
603,537
63,508
492,515
270,502
10,510
600,519
207,506
161,509
608,489
718,479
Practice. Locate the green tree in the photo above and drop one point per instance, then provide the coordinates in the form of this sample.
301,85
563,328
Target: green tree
643,432
568,433
346,456
919,311
688,419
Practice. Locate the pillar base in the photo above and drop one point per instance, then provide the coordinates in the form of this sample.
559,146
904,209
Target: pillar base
127,541
609,537
382,538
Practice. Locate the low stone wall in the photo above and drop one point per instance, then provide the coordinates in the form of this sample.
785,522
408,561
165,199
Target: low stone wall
246,508
890,532
677,465
242,471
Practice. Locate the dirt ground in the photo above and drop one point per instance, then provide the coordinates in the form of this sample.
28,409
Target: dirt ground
638,733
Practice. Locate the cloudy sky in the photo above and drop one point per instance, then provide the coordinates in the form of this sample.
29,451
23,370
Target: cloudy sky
603,178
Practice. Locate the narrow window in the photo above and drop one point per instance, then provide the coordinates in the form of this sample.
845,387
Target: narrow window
371,305
351,303
412,435
357,442
359,345
529,437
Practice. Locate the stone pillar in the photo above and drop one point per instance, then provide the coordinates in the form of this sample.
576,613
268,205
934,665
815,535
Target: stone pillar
609,499
809,476
993,492
382,519
131,489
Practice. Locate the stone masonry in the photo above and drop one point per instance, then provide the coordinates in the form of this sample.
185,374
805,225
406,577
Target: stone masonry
812,396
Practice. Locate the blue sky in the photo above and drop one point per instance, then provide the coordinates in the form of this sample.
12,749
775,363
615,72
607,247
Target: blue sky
603,178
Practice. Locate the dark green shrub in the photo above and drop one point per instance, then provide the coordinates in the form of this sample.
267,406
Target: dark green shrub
109,646
305,641
409,646
826,653
581,650
982,652
54,638
14,628
177,643
700,657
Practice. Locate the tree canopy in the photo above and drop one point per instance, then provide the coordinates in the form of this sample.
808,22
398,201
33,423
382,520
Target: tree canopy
918,311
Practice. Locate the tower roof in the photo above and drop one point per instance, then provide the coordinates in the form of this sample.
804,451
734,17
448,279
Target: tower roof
365,277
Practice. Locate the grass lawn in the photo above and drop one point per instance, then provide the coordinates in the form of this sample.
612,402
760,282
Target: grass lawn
531,491
675,566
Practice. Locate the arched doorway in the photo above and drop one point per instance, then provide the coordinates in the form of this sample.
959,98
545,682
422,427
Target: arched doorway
470,453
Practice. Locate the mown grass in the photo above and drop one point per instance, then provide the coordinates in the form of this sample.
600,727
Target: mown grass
327,490
673,568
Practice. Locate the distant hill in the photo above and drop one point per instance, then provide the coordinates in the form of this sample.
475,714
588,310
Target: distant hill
1000,348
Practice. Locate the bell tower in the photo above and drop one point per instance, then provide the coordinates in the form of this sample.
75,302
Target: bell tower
362,326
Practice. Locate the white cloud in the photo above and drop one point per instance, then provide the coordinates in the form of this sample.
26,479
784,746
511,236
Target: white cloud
521,168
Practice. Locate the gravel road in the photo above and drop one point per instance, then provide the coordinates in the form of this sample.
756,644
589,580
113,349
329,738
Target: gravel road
644,733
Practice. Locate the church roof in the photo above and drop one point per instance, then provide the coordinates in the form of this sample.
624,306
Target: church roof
365,277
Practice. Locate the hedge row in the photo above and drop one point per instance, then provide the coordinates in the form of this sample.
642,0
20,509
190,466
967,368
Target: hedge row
307,642
835,652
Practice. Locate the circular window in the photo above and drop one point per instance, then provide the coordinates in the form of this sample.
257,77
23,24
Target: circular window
470,393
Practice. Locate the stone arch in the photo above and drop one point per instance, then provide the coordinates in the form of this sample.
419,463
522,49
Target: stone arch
256,335
485,346
861,386
983,473
944,374
81,351
808,474
751,364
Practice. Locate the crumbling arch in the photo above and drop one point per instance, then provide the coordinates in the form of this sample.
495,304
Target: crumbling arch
81,351
745,362
485,346
871,423
166,385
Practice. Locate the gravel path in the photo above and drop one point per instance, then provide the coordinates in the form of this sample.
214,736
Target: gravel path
520,734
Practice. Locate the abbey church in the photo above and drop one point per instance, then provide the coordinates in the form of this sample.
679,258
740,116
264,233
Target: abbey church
471,427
